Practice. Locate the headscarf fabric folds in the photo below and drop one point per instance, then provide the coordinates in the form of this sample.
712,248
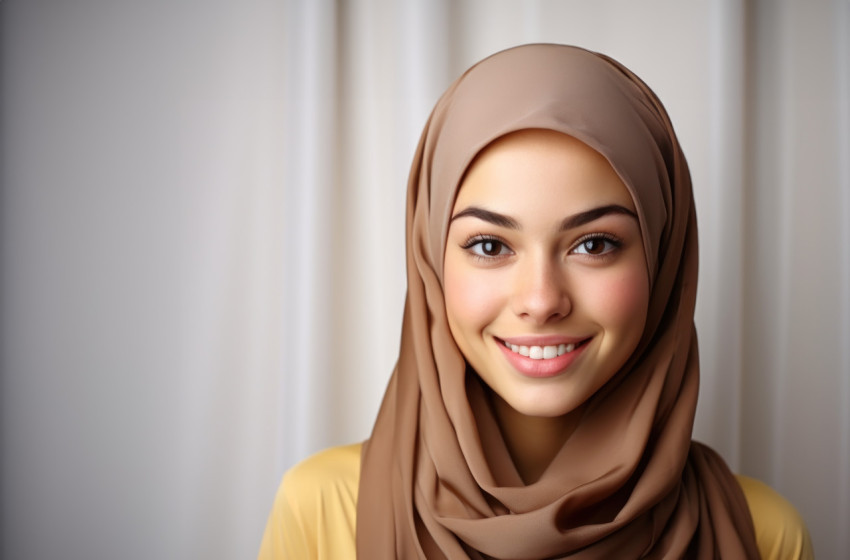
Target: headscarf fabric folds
437,480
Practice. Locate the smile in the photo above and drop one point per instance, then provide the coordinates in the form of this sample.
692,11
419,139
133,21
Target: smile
540,352
542,360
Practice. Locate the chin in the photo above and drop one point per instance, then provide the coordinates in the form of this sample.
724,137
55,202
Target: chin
541,408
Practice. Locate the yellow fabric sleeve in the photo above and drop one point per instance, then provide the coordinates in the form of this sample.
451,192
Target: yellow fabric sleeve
315,511
780,531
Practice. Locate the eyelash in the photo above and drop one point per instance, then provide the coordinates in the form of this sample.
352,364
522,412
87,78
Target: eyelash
615,243
479,239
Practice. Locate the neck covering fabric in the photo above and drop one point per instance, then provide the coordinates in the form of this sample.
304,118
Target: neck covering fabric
437,480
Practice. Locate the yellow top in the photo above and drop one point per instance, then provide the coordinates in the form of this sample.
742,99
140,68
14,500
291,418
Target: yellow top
315,509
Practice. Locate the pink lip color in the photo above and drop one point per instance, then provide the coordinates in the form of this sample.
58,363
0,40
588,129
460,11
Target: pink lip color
540,368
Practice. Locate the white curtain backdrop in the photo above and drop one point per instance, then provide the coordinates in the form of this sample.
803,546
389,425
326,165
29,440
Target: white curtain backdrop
202,243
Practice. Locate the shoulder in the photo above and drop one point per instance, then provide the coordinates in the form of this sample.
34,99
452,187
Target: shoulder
333,471
315,508
780,531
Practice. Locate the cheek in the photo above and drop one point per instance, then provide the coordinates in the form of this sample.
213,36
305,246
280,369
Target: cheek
471,301
620,302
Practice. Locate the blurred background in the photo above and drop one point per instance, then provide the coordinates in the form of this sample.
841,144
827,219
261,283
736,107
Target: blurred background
202,243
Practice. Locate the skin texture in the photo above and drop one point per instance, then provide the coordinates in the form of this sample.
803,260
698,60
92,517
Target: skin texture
513,271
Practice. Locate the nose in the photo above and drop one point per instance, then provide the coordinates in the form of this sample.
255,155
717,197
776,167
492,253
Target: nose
541,294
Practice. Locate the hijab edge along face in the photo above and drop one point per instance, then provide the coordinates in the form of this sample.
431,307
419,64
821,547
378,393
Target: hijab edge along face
544,292
466,128
463,113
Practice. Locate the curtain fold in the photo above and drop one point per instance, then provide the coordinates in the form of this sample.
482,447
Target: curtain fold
795,369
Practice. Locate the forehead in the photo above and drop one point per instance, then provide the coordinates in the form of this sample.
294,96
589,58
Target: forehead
541,170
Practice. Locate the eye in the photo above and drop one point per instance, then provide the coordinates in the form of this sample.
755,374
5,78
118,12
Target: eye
596,245
487,247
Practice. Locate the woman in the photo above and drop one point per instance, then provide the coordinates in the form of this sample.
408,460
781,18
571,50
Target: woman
544,397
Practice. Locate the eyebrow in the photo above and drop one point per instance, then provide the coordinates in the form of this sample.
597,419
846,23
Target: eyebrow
568,223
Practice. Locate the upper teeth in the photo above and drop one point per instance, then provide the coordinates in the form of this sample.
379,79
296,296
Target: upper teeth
541,352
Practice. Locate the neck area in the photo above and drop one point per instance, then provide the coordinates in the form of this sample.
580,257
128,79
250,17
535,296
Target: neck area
533,441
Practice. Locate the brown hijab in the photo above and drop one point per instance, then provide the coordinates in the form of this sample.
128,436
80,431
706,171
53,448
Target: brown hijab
437,480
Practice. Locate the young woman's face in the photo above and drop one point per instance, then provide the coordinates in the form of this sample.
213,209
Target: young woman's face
545,278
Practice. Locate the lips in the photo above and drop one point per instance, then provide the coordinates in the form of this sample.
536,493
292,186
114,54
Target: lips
547,358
